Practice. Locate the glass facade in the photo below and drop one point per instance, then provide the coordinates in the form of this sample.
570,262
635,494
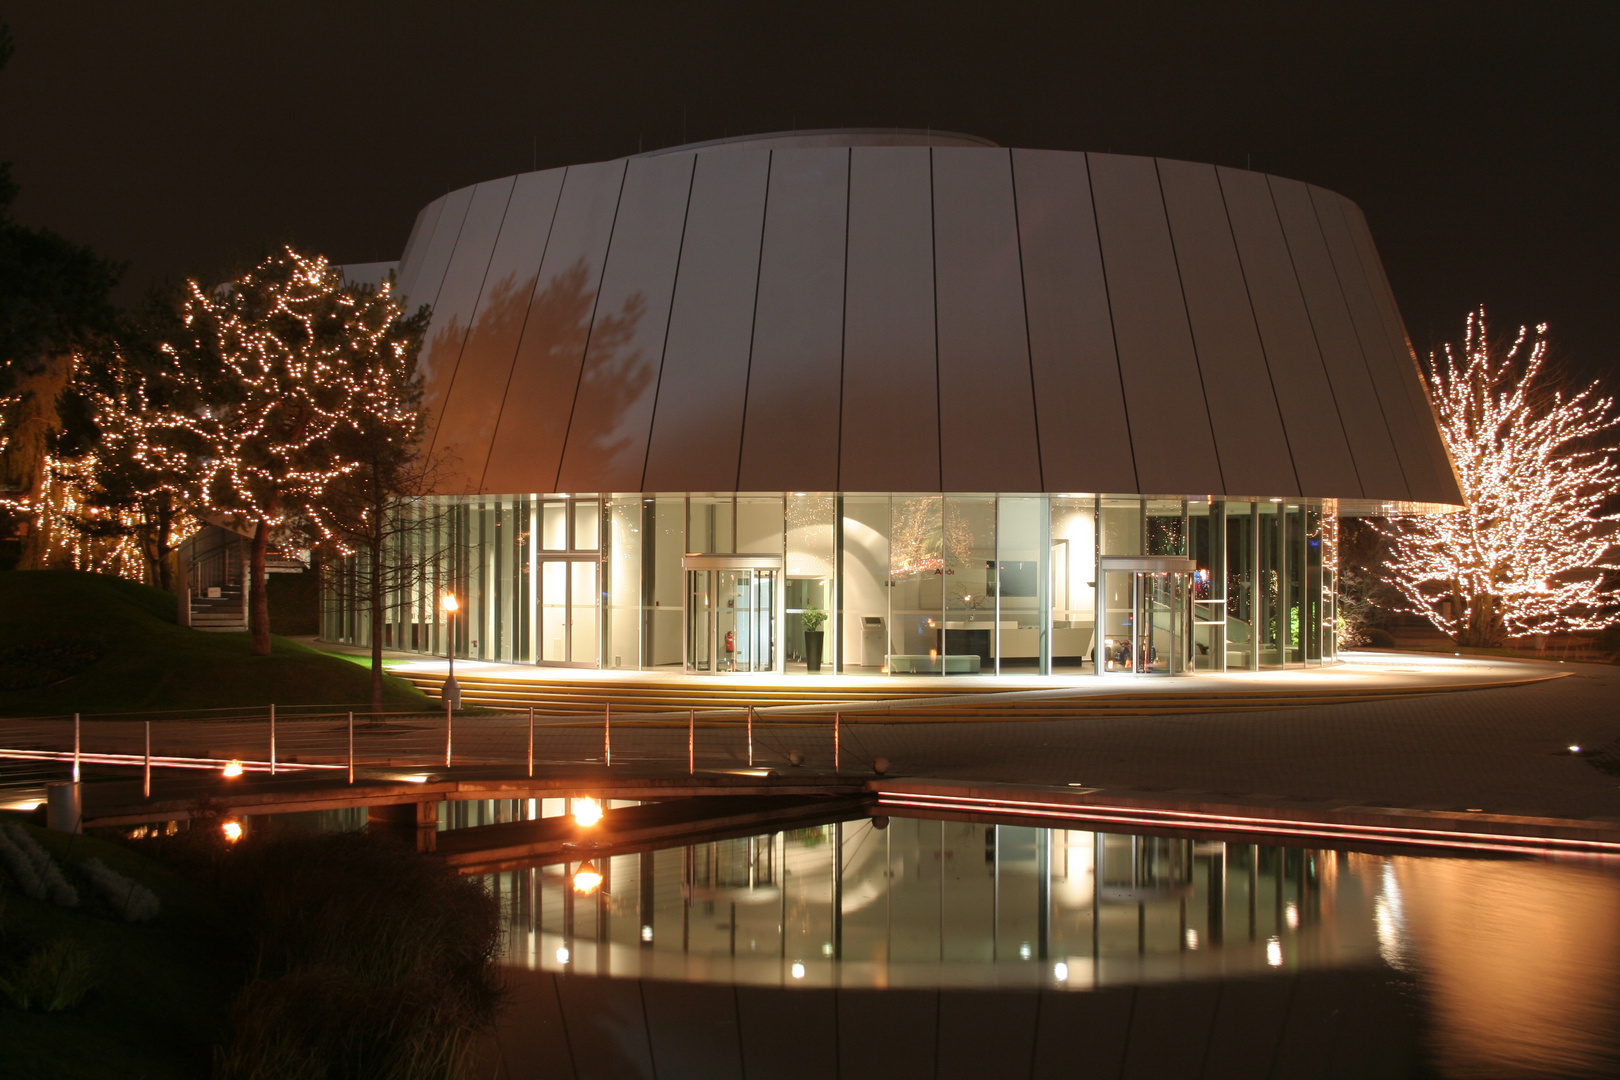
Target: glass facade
902,584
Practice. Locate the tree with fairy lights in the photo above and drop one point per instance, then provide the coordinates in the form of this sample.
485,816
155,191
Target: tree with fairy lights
294,370
1528,552
375,517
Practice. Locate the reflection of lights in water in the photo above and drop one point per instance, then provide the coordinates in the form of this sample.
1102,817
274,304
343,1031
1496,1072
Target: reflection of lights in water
1023,951
1389,920
798,970
562,955
1274,952
587,878
1291,916
1060,972
1192,938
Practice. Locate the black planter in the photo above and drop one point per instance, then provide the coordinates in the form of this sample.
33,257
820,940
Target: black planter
812,650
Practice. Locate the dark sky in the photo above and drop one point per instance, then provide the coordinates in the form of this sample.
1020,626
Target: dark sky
1480,138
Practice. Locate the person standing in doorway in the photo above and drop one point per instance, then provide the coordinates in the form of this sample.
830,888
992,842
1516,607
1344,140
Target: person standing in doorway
731,650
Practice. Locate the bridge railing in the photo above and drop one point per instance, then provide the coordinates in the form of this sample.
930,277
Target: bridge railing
304,739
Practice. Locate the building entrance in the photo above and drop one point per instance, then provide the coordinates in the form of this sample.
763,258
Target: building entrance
731,616
1147,625
569,595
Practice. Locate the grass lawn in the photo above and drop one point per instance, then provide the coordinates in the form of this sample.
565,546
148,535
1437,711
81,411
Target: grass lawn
159,988
77,642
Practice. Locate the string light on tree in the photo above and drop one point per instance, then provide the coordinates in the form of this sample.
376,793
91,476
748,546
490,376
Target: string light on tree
1528,551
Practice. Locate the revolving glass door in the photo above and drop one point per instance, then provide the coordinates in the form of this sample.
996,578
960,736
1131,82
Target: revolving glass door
1147,618
730,618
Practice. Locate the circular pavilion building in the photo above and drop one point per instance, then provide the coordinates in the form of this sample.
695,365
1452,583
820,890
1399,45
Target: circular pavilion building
901,402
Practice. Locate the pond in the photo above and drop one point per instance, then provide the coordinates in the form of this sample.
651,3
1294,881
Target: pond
899,947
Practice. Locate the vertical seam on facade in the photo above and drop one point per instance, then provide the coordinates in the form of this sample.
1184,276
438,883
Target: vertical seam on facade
472,319
590,330
843,322
674,287
523,327
445,273
933,268
1316,338
1265,356
1023,296
1113,335
753,325
1192,338
1383,413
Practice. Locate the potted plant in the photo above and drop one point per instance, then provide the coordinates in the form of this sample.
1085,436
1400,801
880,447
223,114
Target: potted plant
813,618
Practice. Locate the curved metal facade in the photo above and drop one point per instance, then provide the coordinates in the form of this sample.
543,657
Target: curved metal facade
766,316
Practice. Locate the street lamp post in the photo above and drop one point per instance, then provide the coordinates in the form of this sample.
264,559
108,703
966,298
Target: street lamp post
450,693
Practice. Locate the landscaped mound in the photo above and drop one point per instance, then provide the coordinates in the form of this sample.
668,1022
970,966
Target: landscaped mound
75,642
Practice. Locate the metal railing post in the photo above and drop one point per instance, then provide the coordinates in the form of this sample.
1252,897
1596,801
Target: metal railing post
351,746
531,740
607,733
448,727
750,736
75,748
272,739
837,717
691,742
146,771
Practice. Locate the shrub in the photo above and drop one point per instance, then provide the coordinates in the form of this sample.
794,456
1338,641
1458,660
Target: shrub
1376,637
51,979
373,961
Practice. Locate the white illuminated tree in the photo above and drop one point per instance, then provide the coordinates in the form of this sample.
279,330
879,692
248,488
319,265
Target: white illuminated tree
299,378
1528,552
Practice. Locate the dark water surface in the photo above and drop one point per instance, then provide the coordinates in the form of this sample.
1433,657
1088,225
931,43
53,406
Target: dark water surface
912,947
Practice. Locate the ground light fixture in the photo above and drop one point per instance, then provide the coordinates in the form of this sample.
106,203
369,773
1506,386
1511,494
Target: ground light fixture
562,954
587,879
232,769
232,831
587,812
798,969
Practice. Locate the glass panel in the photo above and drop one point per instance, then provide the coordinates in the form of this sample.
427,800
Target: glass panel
1018,585
1122,526
1271,619
866,563
1166,527
1206,537
587,525
699,620
1074,582
709,524
1119,620
970,586
582,605
624,590
1313,614
809,582
1240,563
1294,582
916,585
668,538
554,526
759,524
554,611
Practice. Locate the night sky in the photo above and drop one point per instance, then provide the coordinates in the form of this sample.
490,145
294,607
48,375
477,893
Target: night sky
186,138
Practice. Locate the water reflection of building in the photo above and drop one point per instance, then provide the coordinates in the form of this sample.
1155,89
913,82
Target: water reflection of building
941,902
990,410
